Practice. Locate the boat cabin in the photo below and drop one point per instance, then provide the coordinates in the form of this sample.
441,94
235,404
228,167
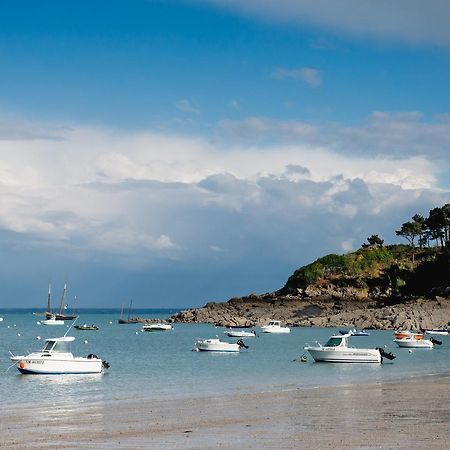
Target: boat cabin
337,341
274,323
58,345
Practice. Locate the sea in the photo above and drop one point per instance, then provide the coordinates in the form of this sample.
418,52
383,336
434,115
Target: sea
163,365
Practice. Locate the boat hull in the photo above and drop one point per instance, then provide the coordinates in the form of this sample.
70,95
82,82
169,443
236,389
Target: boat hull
414,343
438,332
239,334
345,355
224,347
157,328
275,330
57,367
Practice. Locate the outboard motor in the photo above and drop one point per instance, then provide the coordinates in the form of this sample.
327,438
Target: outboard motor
241,344
387,355
105,364
435,341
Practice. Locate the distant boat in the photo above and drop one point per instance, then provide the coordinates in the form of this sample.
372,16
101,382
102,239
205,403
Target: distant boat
216,345
159,326
58,315
52,321
440,331
240,333
86,327
275,326
411,342
408,334
128,320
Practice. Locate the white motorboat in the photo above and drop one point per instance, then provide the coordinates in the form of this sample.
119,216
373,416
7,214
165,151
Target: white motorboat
411,342
240,333
275,326
159,326
56,358
441,332
216,345
408,334
52,321
356,332
337,350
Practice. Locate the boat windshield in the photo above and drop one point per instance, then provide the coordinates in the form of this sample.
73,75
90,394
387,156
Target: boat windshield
274,323
333,342
57,346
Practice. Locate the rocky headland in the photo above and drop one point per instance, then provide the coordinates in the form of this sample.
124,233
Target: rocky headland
375,287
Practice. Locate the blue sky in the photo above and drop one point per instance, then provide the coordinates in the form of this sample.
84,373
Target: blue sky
177,152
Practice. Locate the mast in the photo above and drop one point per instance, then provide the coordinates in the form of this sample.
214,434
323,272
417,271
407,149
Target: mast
63,297
129,310
49,309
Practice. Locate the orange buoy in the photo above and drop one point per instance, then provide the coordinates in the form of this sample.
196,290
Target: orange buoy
21,364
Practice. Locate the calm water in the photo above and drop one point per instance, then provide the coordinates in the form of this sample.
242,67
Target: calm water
159,365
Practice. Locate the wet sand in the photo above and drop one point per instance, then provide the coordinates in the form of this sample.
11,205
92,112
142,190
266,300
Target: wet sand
414,414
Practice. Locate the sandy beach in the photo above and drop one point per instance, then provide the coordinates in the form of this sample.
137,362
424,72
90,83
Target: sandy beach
412,414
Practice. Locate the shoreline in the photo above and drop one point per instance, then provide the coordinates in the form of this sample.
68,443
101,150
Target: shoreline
409,414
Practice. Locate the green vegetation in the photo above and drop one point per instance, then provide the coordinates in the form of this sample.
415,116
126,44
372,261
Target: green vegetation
399,269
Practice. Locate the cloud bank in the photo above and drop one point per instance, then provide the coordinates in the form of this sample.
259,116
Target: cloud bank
146,199
409,21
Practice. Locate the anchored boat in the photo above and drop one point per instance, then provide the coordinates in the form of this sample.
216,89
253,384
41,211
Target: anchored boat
240,333
410,342
86,327
216,345
52,321
56,358
337,350
275,326
159,326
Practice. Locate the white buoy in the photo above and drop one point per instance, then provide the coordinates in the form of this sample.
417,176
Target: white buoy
15,325
1,319
38,338
85,341
18,334
8,326
38,322
136,332
110,322
409,351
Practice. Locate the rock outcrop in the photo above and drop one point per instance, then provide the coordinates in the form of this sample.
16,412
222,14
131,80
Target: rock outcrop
321,312
371,288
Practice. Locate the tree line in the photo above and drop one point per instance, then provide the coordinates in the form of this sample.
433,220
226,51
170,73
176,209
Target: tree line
426,231
422,231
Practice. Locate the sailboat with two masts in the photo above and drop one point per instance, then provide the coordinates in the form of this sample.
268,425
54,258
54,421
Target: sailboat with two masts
122,320
60,314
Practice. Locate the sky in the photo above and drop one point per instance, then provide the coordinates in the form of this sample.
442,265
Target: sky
180,152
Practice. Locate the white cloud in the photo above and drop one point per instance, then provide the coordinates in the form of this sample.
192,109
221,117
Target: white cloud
147,196
186,106
310,76
411,21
